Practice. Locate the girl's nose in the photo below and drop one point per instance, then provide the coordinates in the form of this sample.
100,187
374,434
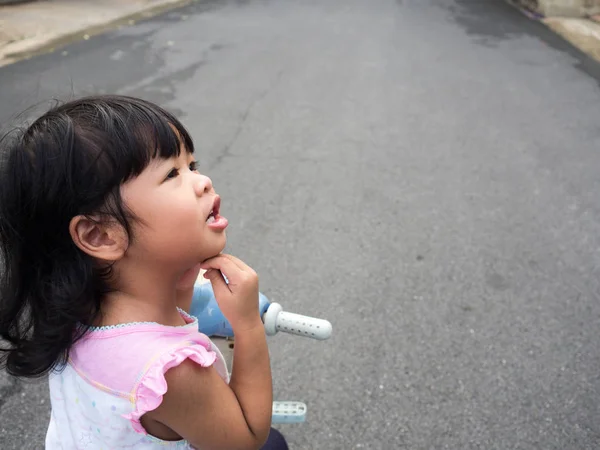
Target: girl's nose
203,185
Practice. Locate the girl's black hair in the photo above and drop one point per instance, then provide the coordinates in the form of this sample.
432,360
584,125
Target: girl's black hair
71,161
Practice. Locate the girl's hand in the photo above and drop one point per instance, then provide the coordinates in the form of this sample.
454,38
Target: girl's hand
238,297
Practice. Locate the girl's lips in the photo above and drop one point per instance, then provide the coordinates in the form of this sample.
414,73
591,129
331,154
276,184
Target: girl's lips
219,223
215,208
215,221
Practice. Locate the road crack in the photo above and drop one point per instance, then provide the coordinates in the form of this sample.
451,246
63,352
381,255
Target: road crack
226,150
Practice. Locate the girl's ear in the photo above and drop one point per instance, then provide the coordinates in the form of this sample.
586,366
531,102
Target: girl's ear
101,239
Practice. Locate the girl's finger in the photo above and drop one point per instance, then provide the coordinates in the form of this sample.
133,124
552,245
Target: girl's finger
238,262
219,285
225,265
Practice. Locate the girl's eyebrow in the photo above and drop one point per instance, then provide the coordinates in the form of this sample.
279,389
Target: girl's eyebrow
159,162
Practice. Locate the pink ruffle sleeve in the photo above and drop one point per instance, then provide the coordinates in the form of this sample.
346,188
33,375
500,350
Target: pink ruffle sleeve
152,386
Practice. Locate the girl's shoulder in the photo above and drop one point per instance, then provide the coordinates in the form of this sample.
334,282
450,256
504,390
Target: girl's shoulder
130,360
120,357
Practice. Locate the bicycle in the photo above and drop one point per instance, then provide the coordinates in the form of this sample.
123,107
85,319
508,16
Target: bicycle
213,323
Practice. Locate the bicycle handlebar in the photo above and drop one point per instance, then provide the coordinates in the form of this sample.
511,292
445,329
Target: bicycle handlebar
276,319
212,322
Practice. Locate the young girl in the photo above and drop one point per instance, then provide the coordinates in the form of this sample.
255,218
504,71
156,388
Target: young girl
104,219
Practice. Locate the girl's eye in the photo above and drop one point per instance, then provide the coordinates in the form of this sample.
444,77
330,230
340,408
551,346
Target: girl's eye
173,173
193,166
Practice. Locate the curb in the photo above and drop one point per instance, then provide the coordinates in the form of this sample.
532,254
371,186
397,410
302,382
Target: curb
583,33
31,47
575,9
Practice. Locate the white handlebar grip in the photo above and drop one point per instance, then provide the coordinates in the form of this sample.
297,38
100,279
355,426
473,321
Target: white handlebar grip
276,319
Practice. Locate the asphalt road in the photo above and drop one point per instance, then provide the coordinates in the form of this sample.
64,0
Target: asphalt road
425,174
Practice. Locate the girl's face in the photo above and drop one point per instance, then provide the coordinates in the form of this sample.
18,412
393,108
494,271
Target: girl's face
178,216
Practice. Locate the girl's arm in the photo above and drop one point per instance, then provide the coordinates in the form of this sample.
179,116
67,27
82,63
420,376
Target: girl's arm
201,408
198,405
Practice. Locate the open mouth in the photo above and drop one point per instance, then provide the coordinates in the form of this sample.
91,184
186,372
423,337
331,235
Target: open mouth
215,221
214,212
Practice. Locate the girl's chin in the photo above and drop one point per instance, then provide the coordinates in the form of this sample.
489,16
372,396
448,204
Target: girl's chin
215,250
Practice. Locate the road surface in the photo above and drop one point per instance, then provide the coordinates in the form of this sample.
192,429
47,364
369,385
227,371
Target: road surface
425,174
